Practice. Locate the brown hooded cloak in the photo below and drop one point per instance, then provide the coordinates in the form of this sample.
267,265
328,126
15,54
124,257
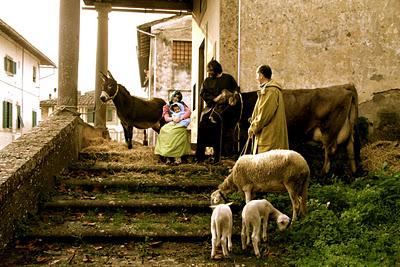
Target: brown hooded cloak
268,121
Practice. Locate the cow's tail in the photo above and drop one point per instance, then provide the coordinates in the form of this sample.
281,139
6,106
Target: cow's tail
353,116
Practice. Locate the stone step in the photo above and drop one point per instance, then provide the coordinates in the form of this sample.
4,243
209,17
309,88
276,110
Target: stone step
122,225
127,200
140,182
105,184
102,168
115,156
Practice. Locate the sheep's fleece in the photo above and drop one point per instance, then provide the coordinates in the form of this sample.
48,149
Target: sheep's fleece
272,171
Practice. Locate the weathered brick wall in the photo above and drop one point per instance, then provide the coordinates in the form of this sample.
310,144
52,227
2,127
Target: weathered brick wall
320,43
28,166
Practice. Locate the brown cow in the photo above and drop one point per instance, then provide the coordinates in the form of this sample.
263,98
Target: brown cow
326,115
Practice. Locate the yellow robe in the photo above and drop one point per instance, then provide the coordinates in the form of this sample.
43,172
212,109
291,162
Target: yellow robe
268,120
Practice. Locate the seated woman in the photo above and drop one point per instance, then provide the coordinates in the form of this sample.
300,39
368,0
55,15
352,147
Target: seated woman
173,140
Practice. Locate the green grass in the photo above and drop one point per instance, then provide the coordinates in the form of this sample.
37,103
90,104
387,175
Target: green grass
348,225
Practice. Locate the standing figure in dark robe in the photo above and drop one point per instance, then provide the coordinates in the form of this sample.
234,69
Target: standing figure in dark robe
215,128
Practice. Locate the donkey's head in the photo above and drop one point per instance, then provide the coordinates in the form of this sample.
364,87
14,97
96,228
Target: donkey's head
227,101
110,87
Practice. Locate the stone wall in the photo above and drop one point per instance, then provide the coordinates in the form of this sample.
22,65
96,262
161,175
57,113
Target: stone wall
383,114
171,75
319,43
228,44
28,166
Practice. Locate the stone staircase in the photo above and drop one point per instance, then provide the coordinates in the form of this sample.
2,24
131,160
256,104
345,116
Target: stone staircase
120,208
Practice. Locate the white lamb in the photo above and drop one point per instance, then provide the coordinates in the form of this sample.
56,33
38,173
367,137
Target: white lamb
255,215
272,171
221,229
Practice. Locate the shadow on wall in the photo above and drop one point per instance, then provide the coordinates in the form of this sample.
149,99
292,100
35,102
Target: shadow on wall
379,118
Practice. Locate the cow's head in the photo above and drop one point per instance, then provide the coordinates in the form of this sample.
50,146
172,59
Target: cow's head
109,88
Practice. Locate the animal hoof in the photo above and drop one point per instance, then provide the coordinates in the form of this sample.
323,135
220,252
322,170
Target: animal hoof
217,257
129,146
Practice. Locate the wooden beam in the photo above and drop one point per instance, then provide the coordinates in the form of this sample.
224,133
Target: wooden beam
186,5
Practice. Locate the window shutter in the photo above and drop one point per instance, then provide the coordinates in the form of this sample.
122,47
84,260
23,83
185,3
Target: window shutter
19,117
90,115
10,115
34,120
14,66
4,114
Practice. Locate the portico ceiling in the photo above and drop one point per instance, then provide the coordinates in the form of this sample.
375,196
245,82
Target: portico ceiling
178,5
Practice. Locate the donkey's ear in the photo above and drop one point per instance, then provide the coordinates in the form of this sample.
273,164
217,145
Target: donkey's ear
103,76
110,75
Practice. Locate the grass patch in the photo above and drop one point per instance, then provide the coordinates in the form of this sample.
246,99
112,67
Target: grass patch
348,225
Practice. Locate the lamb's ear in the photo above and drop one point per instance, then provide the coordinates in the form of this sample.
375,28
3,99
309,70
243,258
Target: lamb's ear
230,203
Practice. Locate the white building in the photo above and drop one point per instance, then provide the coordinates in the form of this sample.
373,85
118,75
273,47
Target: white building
19,84
86,108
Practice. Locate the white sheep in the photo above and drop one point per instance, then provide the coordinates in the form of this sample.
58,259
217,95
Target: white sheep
221,229
272,171
255,215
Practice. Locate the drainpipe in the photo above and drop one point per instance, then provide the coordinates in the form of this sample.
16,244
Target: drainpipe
22,90
155,67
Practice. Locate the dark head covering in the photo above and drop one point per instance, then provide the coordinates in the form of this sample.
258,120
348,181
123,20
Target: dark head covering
215,66
178,94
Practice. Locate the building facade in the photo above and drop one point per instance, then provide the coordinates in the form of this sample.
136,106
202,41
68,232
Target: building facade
308,44
86,108
165,58
19,84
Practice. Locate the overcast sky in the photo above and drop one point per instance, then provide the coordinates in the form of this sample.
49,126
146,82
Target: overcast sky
38,21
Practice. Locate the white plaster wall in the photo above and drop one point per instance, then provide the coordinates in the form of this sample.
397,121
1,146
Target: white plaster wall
205,26
18,89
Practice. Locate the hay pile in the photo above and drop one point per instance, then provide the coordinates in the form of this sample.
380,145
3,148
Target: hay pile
374,157
381,155
142,155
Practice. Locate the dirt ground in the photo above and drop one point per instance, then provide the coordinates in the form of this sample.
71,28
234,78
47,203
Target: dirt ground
37,253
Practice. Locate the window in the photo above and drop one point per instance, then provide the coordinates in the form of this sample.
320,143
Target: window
19,117
182,52
10,66
34,118
90,115
110,114
7,115
34,74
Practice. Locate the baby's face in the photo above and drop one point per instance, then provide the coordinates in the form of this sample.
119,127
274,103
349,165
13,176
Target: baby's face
176,109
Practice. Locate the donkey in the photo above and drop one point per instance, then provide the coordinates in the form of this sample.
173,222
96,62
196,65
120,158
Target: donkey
131,110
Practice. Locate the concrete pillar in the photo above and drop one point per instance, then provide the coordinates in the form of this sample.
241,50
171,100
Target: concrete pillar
68,55
101,62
